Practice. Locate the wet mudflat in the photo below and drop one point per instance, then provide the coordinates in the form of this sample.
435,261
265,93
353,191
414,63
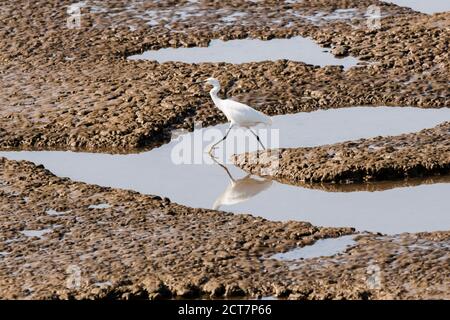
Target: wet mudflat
74,89
140,246
183,172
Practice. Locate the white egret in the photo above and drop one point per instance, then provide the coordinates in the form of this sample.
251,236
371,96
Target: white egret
238,114
240,190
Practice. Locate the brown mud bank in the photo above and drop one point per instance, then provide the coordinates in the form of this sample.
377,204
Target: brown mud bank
72,88
371,186
62,239
425,153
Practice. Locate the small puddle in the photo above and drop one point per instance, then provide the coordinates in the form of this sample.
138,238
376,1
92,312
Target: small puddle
424,6
319,18
36,233
104,284
52,212
269,298
338,14
250,50
418,206
99,206
321,248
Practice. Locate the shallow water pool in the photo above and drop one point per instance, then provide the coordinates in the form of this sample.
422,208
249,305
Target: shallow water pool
250,50
424,6
392,208
321,248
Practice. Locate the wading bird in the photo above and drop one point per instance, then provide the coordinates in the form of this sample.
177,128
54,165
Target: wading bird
239,114
240,190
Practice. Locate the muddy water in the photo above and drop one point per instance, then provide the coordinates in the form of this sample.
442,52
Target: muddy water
399,208
321,248
250,50
428,6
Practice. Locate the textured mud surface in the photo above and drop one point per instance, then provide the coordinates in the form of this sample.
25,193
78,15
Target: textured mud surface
61,239
407,266
425,153
74,89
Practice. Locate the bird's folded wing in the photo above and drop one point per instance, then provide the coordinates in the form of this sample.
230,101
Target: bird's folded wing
255,99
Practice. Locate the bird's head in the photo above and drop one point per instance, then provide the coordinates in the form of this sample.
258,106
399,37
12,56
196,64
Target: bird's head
213,81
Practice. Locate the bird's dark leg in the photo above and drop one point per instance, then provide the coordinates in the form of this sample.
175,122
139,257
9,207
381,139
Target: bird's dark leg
223,167
215,144
257,138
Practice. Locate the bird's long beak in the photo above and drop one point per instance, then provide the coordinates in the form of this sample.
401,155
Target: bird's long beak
200,81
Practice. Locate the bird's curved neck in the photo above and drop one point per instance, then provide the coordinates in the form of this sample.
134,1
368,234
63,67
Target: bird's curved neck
213,94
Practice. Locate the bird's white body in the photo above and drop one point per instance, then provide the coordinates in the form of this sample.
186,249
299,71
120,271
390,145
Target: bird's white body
241,190
237,113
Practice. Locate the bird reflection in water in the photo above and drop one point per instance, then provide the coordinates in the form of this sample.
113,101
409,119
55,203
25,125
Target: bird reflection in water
240,190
